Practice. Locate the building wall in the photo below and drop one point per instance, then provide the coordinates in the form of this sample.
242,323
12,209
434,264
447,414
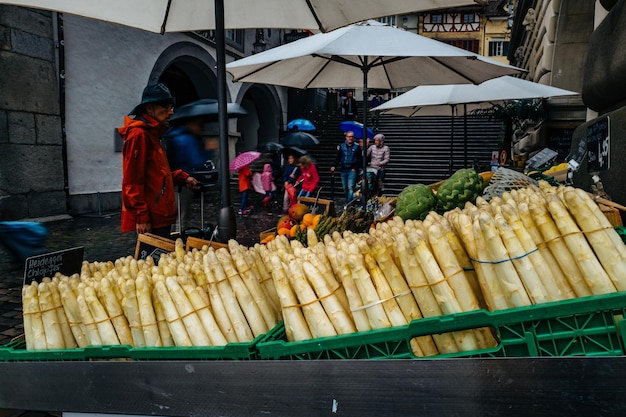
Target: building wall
105,67
31,144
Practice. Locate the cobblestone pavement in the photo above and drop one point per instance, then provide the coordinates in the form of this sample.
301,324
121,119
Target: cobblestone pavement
103,241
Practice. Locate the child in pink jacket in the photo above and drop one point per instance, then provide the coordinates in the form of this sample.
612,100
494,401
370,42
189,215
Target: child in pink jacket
267,180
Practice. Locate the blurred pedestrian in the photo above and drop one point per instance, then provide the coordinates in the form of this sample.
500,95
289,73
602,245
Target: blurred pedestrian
186,151
376,101
350,158
349,107
309,176
245,185
290,175
267,179
379,155
148,202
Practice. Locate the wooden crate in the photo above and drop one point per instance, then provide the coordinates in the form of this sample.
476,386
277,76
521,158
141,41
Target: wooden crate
149,244
197,243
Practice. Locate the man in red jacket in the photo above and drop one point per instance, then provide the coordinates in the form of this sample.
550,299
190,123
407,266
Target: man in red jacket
148,201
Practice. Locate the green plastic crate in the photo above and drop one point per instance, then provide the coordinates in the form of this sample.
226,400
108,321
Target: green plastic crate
16,351
588,326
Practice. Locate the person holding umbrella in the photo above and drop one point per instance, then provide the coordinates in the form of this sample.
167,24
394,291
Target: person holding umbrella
290,175
241,164
350,158
148,202
186,151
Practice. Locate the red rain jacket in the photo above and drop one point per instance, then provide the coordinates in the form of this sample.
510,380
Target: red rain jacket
147,181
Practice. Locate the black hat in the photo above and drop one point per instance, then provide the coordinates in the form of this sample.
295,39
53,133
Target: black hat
154,93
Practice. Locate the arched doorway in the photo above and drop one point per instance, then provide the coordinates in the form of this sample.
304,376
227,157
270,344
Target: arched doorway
264,119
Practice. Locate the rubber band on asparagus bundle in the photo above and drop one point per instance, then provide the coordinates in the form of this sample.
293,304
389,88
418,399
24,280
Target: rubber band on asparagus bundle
505,260
445,278
314,301
375,303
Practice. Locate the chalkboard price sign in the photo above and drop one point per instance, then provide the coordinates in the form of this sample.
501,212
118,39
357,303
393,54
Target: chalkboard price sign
598,145
153,246
66,262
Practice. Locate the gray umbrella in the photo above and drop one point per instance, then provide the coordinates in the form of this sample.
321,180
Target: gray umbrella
207,109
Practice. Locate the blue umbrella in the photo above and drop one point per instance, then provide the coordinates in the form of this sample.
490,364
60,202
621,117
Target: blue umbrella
301,124
357,128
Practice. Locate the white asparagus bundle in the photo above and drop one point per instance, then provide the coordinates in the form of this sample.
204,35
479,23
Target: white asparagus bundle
66,331
595,276
322,263
115,312
319,323
424,296
178,329
130,306
339,317
238,320
532,283
558,248
371,301
147,315
497,253
465,339
339,265
100,317
72,312
251,279
556,289
195,329
455,244
201,307
474,242
250,308
604,222
265,276
530,226
219,308
599,237
91,329
295,324
389,303
159,313
36,336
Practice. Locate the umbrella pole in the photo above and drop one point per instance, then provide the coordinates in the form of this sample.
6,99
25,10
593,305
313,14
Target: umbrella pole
465,140
226,222
364,187
452,107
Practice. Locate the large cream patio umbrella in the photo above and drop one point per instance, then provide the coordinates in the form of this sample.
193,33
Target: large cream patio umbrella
163,16
427,100
370,55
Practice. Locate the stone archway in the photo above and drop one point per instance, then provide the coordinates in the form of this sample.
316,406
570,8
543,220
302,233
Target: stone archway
264,119
187,70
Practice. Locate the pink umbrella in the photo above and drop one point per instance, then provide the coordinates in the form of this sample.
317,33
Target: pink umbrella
243,159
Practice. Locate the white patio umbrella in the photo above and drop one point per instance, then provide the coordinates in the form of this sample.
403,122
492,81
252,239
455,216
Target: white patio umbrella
162,16
368,54
428,100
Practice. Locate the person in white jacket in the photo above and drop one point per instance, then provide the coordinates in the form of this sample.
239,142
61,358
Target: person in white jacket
378,155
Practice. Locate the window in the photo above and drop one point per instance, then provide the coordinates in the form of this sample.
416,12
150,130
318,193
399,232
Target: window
234,37
467,44
436,18
469,17
498,48
390,20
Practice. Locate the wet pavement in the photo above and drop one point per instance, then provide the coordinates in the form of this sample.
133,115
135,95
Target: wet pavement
102,241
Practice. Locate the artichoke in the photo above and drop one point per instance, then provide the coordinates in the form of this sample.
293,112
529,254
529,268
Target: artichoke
415,202
463,186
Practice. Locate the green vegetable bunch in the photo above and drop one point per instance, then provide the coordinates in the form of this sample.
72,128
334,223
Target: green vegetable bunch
463,186
415,202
